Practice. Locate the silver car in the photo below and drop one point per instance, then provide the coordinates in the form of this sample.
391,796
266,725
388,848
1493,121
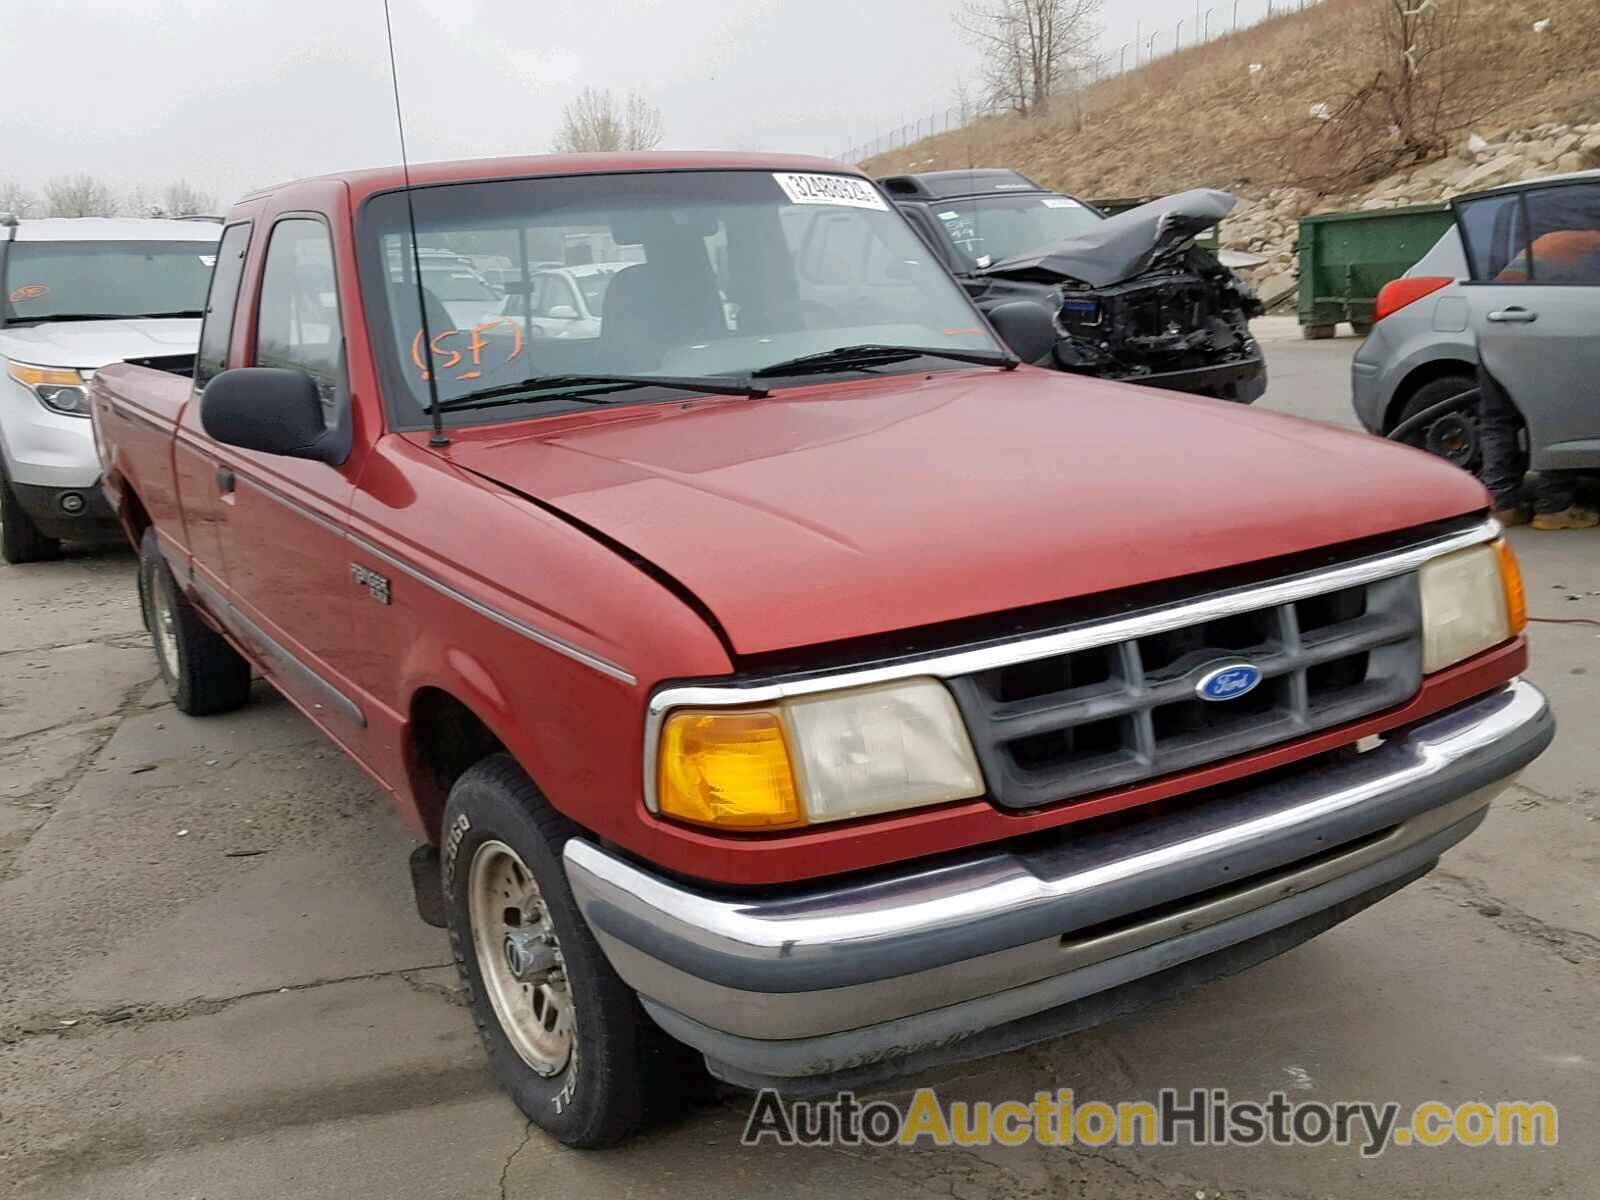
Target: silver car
1517,280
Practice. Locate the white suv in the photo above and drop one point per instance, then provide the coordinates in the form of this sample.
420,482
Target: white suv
75,295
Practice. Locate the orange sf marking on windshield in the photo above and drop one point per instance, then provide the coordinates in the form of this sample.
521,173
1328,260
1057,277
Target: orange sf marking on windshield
30,292
963,330
451,358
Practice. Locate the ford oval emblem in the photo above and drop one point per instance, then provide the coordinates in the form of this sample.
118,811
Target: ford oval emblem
1228,682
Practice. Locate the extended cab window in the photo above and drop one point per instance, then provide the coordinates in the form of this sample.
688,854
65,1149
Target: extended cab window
217,332
298,325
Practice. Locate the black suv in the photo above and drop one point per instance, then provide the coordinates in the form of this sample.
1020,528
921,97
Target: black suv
1133,298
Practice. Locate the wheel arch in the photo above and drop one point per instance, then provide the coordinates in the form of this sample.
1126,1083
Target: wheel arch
131,512
444,735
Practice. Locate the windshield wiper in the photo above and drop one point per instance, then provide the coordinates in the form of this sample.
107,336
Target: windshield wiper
584,387
147,316
874,354
67,317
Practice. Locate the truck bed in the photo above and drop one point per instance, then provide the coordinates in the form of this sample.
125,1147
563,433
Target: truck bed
136,408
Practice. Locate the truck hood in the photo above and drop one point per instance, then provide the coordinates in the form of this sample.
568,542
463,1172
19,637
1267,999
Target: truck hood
830,513
91,344
1127,244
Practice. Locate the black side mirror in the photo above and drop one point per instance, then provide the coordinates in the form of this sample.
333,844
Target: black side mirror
276,410
1027,327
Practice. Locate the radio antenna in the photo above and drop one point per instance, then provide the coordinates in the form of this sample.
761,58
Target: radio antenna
438,439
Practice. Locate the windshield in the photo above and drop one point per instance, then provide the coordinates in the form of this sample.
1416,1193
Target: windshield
682,273
44,280
993,228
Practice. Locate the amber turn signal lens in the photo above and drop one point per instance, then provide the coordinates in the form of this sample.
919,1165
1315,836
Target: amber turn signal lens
1516,594
727,769
41,376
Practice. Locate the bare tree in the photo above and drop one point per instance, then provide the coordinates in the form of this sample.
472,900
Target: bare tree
16,199
968,110
1031,50
642,123
139,201
1416,95
183,199
594,121
79,196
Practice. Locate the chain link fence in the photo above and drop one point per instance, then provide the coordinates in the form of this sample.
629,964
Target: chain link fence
1212,19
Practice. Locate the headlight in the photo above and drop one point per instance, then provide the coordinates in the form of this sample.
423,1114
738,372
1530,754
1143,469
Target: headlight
1471,600
60,389
812,759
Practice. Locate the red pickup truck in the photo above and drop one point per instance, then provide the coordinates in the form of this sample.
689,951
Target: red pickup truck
849,697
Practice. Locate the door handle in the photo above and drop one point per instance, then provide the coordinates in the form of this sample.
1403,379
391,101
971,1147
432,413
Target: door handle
1513,316
225,481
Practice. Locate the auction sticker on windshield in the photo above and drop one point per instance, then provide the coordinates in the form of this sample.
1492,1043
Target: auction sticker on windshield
1060,202
830,189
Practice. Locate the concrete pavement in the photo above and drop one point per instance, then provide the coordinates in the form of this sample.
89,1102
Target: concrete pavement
212,983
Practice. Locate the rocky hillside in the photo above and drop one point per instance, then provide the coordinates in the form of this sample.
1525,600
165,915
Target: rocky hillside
1267,220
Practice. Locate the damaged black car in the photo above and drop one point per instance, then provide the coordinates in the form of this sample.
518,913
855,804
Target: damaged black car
1132,297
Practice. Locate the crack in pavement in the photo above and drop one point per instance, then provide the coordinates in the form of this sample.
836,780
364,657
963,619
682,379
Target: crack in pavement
1145,1175
67,780
505,1167
79,764
125,708
122,641
140,1136
1575,946
1584,799
446,993
82,1022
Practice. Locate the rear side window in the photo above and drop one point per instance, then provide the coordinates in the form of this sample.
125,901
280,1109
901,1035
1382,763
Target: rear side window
1496,238
1564,234
298,323
217,332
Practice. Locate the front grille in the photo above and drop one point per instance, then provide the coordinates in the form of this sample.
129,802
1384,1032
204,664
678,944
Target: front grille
1053,728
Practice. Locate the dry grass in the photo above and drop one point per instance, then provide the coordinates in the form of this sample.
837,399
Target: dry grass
1198,118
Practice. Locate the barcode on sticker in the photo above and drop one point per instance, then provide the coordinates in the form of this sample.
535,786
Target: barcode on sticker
1061,202
830,189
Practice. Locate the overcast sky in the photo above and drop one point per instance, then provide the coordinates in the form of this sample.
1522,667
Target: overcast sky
232,94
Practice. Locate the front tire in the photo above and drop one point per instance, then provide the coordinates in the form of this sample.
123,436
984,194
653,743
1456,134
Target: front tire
203,673
564,1035
20,539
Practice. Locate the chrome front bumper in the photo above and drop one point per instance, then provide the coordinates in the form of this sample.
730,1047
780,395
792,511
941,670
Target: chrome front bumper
831,980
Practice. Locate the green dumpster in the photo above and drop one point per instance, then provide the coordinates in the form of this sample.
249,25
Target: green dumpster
1211,239
1346,258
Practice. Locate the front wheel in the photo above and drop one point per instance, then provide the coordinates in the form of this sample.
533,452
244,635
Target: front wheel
20,539
565,1036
